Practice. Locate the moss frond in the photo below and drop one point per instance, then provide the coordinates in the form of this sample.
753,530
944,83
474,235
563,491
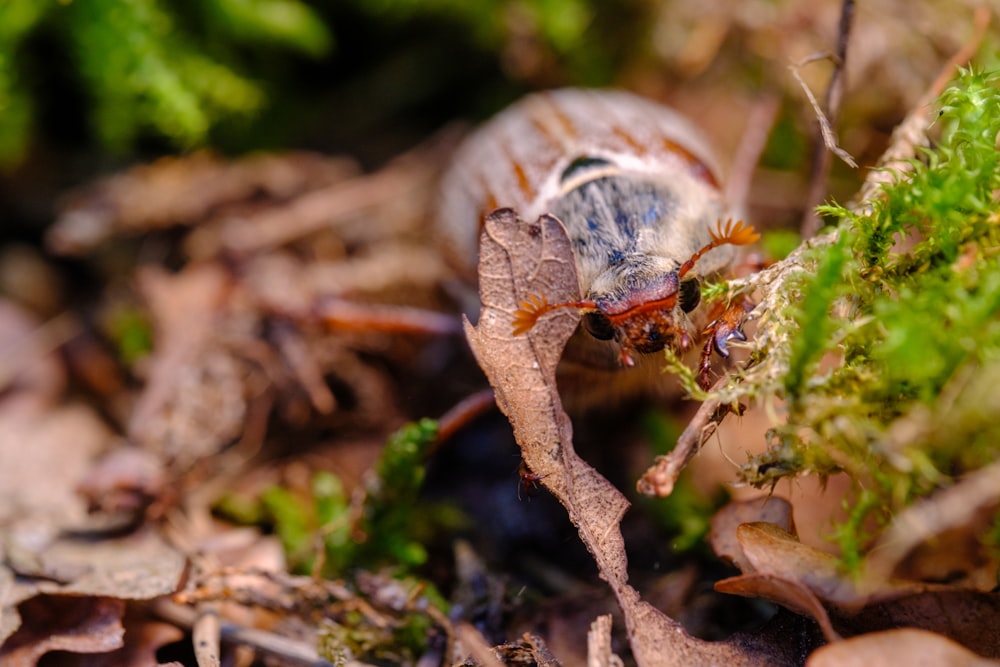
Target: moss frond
885,340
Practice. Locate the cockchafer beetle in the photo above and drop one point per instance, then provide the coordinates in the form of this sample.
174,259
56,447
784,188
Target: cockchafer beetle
638,191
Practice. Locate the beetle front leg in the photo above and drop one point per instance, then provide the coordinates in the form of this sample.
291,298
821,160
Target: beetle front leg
724,328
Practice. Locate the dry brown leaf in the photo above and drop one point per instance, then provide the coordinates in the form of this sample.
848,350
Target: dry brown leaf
781,568
599,652
971,618
42,460
56,623
360,208
722,535
183,191
30,373
143,638
194,402
967,507
10,620
788,593
905,646
123,482
518,259
770,550
139,566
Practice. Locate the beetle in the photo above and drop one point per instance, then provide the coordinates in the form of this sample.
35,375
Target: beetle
638,190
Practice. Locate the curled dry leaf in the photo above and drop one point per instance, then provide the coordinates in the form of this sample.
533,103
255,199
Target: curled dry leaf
518,258
786,592
77,625
722,534
787,572
770,550
963,510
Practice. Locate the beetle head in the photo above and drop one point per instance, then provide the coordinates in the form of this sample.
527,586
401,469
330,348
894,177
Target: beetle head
639,303
642,304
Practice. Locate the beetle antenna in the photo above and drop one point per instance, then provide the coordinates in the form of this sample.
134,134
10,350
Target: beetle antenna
533,307
738,233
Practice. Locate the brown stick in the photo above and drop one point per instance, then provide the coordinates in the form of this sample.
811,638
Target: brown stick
659,479
822,156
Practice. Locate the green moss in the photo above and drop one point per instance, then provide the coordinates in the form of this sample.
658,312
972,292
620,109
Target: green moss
886,347
147,68
383,527
18,18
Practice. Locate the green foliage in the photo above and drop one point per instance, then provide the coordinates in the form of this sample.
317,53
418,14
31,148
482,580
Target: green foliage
284,23
144,67
132,333
293,519
17,20
371,539
577,33
381,527
390,513
894,361
813,321
779,243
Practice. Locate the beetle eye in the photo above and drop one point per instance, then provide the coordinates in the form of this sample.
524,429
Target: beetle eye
598,326
690,295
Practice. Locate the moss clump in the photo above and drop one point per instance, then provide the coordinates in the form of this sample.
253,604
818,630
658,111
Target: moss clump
147,65
382,527
885,346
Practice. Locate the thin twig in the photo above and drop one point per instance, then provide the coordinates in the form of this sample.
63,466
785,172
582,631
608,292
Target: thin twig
206,635
345,315
744,163
461,415
475,646
912,132
826,142
659,479
291,651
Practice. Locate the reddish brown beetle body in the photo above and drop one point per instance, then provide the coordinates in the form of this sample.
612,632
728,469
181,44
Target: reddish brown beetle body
638,191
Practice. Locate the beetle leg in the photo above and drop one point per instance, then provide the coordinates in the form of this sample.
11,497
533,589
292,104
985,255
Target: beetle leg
705,364
724,328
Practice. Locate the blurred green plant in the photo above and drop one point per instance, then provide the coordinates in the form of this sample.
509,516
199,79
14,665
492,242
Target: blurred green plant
383,526
372,540
579,34
131,331
147,67
890,360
